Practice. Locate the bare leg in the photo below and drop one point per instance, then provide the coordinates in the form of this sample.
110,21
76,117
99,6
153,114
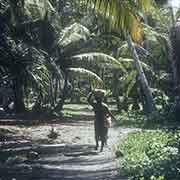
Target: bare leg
106,136
105,142
102,145
97,143
96,137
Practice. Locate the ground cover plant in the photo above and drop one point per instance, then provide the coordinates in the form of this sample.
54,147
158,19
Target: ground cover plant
150,155
53,53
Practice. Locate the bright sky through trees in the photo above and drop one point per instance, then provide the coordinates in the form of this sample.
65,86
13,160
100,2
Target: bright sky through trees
174,3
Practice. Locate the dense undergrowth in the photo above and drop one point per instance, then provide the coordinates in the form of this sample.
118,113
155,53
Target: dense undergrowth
152,154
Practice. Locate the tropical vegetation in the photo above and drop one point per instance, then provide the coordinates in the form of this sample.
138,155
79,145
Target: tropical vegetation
54,52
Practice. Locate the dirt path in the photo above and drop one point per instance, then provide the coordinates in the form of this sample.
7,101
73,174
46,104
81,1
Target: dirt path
71,156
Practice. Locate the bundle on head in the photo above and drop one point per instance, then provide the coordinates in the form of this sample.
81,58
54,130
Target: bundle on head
99,93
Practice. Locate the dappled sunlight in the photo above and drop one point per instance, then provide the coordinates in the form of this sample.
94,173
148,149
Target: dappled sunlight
89,89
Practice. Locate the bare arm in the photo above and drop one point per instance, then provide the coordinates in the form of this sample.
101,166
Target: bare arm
109,112
89,98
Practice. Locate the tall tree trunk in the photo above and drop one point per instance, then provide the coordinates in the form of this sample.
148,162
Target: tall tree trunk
51,92
18,96
173,47
147,45
64,94
143,80
174,53
55,90
115,89
175,62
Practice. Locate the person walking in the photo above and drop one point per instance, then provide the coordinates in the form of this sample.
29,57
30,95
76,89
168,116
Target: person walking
102,116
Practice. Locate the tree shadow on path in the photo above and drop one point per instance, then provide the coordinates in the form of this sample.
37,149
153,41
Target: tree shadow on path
70,162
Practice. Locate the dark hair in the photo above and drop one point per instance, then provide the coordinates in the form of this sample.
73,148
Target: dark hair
98,99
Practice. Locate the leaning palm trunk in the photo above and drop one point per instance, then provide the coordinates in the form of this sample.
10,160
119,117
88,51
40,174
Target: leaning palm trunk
142,78
123,16
175,62
173,46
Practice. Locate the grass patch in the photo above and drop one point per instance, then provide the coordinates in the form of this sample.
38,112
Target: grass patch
140,120
150,155
78,110
132,119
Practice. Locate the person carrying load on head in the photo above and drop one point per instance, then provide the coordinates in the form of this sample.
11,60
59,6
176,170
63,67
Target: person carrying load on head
102,116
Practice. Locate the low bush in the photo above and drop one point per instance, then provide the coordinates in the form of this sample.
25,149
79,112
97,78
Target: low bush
133,119
150,155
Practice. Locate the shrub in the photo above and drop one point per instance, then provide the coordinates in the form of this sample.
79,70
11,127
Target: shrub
152,155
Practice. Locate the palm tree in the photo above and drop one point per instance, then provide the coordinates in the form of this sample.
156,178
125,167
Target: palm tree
175,56
170,26
124,18
33,64
25,66
75,61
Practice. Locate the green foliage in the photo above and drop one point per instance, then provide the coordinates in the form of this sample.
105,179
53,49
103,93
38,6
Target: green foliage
81,73
96,58
48,41
73,34
123,16
53,134
38,9
150,155
36,56
131,118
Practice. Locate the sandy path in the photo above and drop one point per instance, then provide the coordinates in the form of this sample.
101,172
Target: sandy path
71,156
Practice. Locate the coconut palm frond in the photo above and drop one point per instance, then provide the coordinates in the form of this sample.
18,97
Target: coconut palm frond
145,5
36,72
51,65
96,58
74,33
128,81
146,67
124,49
177,15
129,62
81,74
126,60
152,34
41,77
37,9
122,15
131,84
3,70
161,40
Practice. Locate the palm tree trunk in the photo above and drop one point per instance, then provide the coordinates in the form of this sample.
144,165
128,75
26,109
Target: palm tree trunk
18,96
174,56
143,80
59,106
115,89
55,90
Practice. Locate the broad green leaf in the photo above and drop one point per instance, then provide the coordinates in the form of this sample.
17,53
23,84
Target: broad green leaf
81,73
38,8
73,34
99,58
